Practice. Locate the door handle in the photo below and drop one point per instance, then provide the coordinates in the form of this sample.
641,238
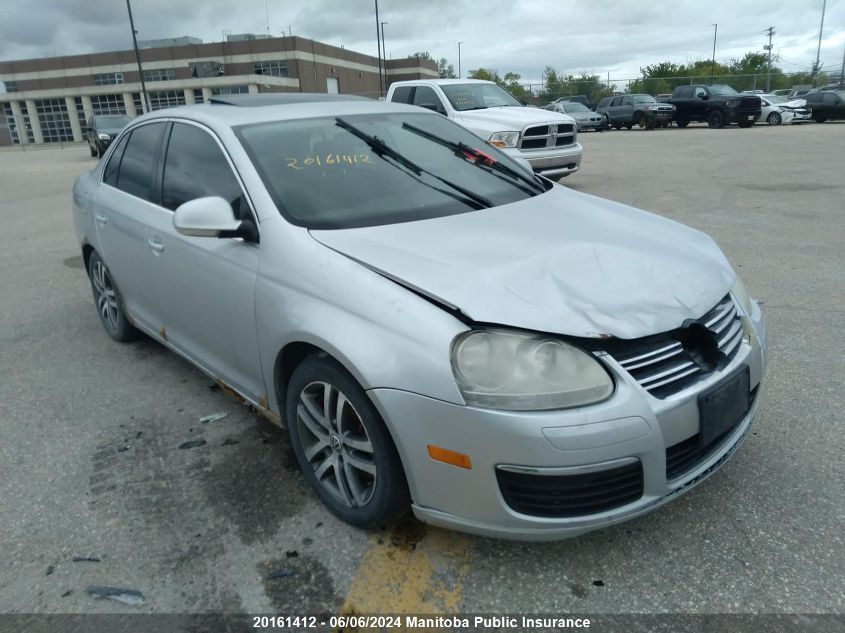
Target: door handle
155,245
101,219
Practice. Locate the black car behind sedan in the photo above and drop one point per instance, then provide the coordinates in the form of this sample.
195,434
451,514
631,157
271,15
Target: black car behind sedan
101,129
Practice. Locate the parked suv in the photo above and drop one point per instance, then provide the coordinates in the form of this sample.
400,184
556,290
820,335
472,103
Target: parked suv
637,109
717,105
547,140
101,129
827,105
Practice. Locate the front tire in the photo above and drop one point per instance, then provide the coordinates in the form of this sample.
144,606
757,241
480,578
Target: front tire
343,446
716,120
774,119
681,122
109,302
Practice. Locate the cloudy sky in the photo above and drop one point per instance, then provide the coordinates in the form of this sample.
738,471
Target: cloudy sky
507,35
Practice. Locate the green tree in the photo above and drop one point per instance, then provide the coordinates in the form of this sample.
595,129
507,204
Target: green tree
488,74
445,69
420,55
511,82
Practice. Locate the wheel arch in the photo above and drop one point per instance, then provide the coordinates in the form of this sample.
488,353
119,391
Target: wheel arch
87,249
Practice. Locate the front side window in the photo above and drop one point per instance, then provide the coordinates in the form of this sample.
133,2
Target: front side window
135,175
627,101
425,97
477,96
195,167
321,175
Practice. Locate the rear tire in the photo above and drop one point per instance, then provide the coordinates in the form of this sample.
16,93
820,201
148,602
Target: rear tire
819,118
343,446
109,302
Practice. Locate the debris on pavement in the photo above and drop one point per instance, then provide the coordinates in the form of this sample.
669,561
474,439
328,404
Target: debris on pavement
85,559
598,583
229,442
214,387
192,444
213,417
126,596
291,553
50,569
281,573
67,593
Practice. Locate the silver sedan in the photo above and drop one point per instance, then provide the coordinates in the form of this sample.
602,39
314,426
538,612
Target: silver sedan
438,328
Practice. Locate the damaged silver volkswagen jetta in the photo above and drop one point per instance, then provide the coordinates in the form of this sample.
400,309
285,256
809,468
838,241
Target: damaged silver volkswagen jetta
436,326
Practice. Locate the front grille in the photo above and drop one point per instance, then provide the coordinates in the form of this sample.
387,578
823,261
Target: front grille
549,135
661,364
686,455
560,496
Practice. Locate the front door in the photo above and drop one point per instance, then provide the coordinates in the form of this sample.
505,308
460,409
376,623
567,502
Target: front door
206,285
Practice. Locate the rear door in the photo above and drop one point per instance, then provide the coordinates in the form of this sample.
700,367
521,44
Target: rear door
206,286
124,208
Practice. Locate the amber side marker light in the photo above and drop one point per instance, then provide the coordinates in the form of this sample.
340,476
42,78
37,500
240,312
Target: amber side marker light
440,454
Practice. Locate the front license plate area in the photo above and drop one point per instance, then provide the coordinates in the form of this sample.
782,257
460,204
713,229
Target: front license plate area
750,117
723,407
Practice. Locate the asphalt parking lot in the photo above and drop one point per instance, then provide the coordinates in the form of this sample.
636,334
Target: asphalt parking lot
97,491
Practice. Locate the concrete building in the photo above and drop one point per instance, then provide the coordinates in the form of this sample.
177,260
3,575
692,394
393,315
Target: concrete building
48,100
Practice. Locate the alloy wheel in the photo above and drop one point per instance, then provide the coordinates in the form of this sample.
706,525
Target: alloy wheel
107,304
336,444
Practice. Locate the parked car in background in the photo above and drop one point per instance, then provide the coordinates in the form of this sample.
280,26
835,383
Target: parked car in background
782,92
716,104
827,105
547,140
101,130
798,91
585,118
776,110
529,362
635,109
583,99
664,97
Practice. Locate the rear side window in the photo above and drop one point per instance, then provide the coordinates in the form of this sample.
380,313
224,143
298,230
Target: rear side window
135,175
616,101
402,94
195,167
110,172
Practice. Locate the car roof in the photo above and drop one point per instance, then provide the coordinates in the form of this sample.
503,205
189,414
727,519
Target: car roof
234,110
442,82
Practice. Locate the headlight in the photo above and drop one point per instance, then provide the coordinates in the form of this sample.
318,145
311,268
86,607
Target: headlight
741,295
103,137
524,372
504,139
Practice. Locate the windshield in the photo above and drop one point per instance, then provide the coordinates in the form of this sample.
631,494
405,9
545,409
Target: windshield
775,99
321,175
721,89
478,96
643,99
575,107
111,121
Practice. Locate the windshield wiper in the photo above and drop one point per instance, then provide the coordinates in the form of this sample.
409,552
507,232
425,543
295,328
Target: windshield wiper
482,159
382,149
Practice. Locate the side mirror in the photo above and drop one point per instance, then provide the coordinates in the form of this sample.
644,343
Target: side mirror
704,97
212,217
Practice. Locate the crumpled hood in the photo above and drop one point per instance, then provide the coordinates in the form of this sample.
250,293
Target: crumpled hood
562,262
508,118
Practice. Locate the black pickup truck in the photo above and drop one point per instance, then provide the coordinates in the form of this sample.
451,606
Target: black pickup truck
717,105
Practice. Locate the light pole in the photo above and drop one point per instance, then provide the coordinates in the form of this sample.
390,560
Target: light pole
378,43
384,53
713,62
145,103
459,60
819,49
770,31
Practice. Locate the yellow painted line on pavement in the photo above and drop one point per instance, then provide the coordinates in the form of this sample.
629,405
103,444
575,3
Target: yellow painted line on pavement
411,569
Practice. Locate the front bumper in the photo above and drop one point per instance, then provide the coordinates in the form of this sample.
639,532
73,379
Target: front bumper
630,425
552,162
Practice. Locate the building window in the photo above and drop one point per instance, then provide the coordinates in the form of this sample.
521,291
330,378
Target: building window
55,120
13,125
198,96
230,90
136,99
160,99
107,104
160,74
274,68
108,79
11,86
80,113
